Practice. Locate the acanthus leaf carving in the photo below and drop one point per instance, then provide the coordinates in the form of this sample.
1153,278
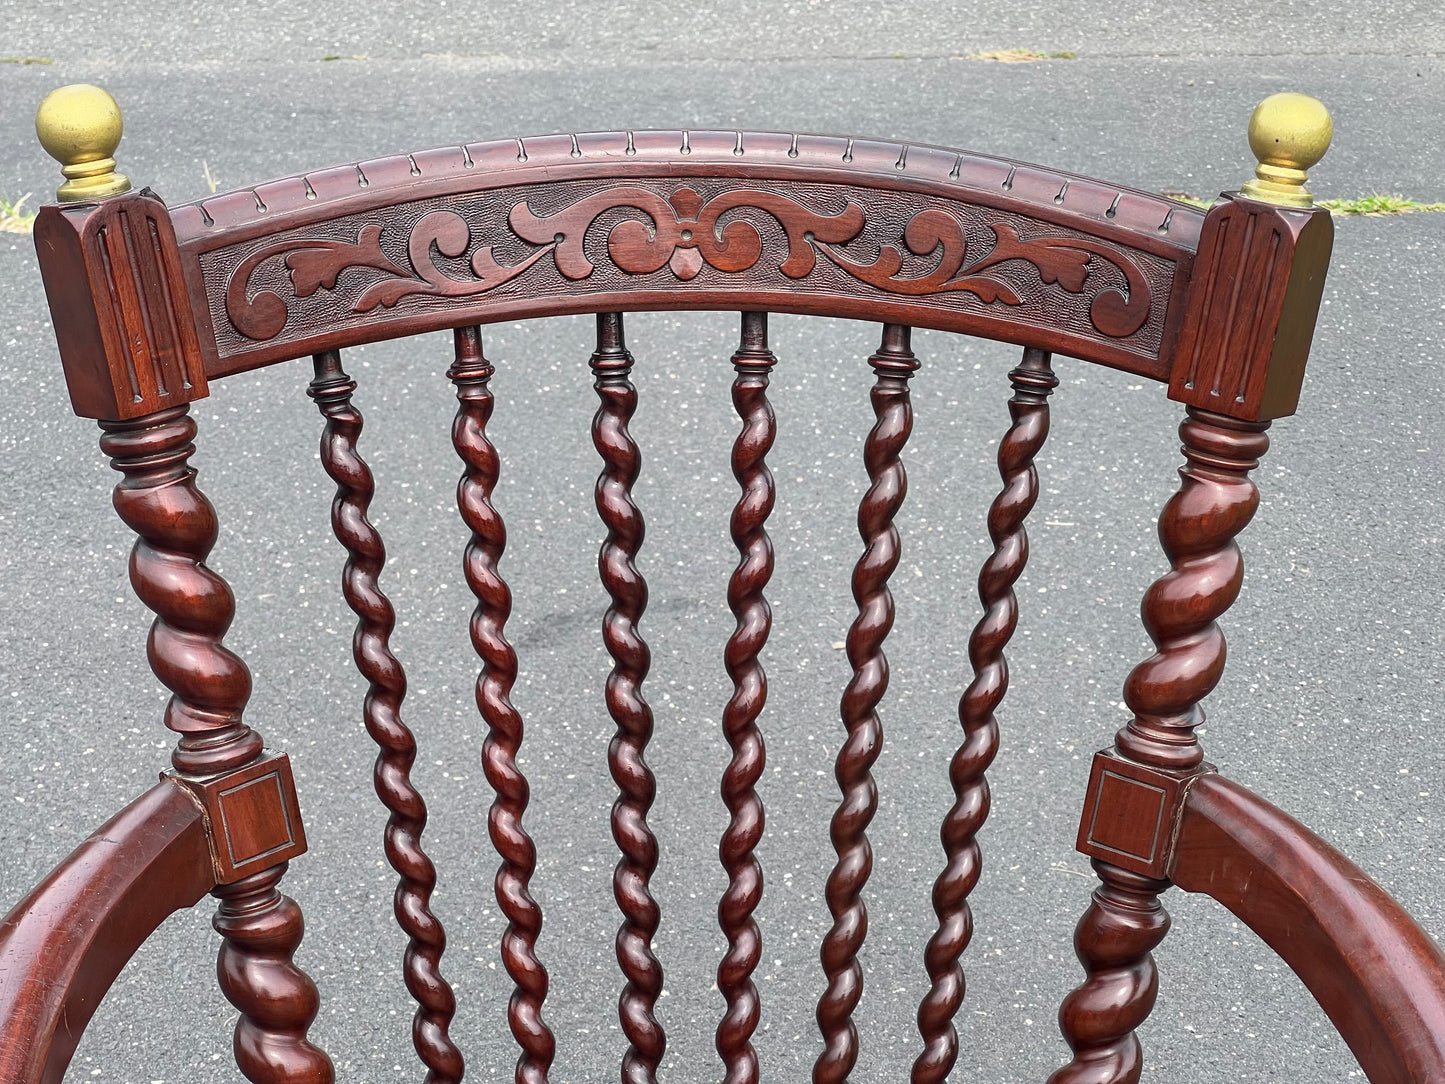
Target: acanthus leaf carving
683,232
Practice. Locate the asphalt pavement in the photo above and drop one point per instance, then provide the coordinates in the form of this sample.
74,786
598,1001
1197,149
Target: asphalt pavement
1331,706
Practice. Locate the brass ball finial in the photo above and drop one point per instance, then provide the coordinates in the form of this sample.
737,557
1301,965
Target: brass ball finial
1288,133
80,127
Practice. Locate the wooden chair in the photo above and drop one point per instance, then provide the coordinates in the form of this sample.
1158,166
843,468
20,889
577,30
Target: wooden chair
152,303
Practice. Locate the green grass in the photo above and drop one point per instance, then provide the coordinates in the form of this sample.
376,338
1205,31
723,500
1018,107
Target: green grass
26,60
1374,204
13,216
1185,197
1378,203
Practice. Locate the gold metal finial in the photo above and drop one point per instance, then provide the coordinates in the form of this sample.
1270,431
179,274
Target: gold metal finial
80,126
1288,134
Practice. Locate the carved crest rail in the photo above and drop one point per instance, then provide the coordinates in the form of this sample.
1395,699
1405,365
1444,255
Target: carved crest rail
941,238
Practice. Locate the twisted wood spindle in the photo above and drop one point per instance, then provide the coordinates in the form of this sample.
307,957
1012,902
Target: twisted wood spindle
381,713
1032,382
1113,941
157,498
612,365
753,361
472,373
1215,501
894,363
262,929
1197,527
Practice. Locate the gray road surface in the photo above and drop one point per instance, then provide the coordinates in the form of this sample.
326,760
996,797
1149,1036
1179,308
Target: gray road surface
1332,704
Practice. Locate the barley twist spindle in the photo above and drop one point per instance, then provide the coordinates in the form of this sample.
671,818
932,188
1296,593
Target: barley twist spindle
1032,381
261,930
753,362
157,498
472,374
894,363
381,714
612,365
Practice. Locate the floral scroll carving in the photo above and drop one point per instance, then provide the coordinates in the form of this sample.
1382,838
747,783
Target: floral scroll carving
684,232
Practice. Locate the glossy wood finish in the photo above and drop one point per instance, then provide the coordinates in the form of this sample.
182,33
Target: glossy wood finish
381,713
64,944
622,462
753,362
261,929
1125,921
1247,329
1197,528
1218,306
471,372
123,320
893,364
935,238
1379,976
1114,939
1033,381
158,499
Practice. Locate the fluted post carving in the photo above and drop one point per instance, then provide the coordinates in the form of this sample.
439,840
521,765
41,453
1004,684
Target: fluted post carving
1032,382
753,362
894,363
157,498
472,374
1214,502
611,366
262,929
381,712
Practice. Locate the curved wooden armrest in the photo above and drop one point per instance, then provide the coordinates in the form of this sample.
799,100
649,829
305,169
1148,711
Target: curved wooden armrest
1379,977
64,943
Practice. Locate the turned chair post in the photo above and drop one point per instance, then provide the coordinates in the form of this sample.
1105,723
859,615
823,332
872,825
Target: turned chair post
1239,364
132,361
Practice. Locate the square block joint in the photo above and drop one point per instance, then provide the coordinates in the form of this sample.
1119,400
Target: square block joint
253,818
1131,814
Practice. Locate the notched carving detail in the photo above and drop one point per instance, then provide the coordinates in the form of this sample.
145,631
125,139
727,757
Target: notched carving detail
253,820
827,238
1131,813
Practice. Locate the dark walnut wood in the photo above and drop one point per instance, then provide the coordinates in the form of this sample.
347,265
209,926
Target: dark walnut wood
381,714
472,374
122,316
622,463
893,364
150,304
1033,381
912,234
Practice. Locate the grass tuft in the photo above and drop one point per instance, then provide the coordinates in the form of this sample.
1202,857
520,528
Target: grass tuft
1019,56
1374,205
1378,203
25,61
1185,197
13,216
